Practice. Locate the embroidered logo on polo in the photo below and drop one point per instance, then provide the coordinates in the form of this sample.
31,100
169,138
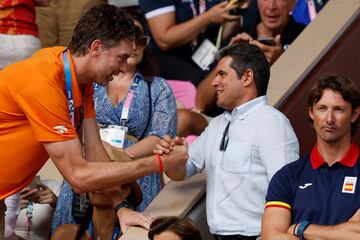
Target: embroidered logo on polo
349,185
305,185
61,129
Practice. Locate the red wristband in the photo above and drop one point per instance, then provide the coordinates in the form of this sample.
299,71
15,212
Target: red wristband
159,160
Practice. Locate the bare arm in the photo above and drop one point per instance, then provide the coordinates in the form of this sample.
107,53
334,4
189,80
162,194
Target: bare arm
144,147
85,176
94,149
275,224
344,231
170,35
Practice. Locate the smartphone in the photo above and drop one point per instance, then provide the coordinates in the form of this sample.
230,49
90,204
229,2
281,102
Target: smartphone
35,182
266,40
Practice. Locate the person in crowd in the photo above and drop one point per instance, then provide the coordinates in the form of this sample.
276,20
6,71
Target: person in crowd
241,149
317,197
103,223
19,35
31,218
39,113
178,28
174,228
275,31
151,114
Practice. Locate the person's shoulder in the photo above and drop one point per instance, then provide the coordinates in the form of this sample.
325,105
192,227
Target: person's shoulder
153,8
268,111
294,167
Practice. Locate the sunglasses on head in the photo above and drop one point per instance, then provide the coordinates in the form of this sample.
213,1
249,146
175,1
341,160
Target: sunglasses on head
142,41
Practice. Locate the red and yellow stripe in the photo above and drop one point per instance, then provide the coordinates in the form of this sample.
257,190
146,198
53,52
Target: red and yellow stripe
278,204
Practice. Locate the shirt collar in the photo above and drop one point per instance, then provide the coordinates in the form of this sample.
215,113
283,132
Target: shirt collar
240,112
349,160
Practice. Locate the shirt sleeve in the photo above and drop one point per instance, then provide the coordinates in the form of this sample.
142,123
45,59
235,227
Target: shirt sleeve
197,155
279,191
278,144
153,8
47,111
164,112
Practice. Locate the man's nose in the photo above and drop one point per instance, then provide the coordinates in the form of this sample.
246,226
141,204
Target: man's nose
330,117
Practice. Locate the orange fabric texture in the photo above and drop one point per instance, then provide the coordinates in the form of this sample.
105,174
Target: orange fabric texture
33,110
18,17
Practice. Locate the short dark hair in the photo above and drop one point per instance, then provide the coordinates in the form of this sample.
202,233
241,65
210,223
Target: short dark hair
104,22
340,84
185,228
247,56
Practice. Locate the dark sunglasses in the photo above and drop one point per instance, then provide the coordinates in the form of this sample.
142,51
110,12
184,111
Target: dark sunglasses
142,41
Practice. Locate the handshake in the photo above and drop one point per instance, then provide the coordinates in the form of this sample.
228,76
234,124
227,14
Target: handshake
173,154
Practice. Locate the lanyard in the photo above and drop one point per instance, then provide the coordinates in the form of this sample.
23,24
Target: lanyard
114,236
202,7
128,100
68,80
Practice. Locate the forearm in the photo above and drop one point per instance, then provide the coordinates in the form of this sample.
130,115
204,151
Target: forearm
144,147
176,174
344,231
179,34
90,176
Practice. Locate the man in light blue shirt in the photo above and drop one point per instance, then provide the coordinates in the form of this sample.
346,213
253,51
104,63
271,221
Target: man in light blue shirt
241,149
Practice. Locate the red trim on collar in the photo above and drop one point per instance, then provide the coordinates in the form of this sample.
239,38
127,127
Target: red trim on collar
348,160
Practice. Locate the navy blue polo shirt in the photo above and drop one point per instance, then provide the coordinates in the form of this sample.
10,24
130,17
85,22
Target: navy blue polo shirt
183,12
313,191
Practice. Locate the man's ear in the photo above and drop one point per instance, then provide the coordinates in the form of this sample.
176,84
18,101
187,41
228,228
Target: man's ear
355,115
248,77
311,115
95,48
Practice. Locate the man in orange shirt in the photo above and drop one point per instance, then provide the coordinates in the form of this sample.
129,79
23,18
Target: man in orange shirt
44,98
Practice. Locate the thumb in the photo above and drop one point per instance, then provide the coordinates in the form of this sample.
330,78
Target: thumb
277,39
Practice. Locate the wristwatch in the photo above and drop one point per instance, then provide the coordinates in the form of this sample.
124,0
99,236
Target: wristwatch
124,204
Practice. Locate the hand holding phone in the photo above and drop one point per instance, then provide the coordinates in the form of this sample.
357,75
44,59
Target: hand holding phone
35,182
266,40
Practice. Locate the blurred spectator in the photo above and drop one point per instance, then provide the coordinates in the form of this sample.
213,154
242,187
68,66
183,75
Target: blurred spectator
151,110
31,218
57,21
178,28
19,36
103,223
174,228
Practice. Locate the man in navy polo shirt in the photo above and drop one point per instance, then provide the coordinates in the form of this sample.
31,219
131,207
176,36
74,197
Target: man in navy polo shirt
318,196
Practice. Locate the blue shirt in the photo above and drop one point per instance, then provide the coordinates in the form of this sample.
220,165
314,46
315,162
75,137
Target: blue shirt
315,192
162,120
261,141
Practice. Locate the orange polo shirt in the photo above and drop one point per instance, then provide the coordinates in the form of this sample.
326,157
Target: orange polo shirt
33,110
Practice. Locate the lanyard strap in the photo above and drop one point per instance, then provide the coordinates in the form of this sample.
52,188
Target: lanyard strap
68,80
202,7
128,100
114,236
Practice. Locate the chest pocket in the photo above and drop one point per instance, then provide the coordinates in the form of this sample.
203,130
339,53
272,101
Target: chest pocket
237,157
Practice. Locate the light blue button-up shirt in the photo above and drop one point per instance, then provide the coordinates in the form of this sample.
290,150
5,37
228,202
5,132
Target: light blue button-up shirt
261,141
